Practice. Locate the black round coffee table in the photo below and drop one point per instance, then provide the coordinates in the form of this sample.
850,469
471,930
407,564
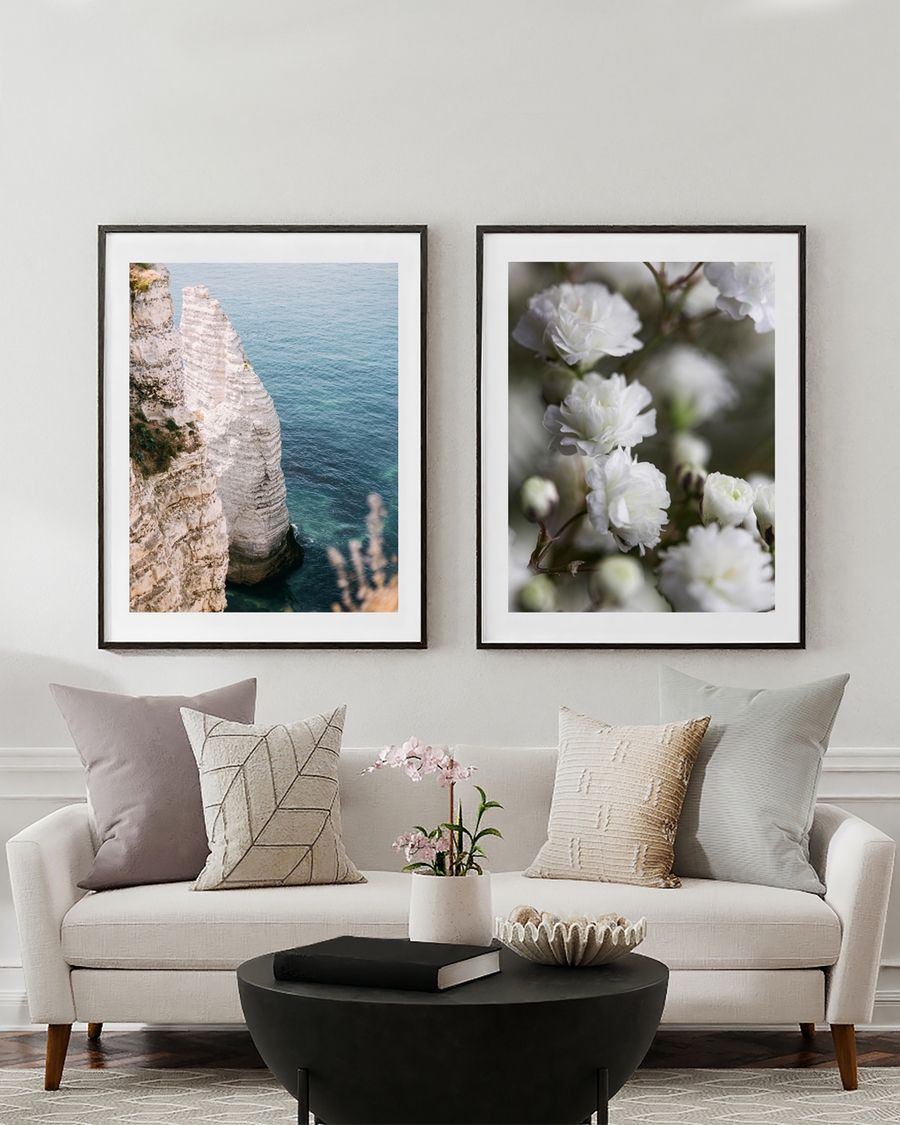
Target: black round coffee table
532,1043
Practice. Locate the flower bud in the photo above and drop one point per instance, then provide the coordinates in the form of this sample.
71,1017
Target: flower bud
537,498
764,510
726,500
691,478
619,577
538,595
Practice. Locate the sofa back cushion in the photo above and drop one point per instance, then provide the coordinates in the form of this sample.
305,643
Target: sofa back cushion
377,807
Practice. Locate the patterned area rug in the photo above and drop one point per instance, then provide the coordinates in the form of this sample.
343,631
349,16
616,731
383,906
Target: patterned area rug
252,1097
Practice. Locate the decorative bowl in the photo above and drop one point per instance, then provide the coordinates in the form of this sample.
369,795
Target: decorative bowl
579,941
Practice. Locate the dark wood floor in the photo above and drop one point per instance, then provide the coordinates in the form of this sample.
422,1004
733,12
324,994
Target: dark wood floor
234,1048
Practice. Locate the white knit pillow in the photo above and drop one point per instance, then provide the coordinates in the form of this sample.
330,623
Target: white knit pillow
271,802
616,801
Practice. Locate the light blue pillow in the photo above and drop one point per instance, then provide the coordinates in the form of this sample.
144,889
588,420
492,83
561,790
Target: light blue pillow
750,800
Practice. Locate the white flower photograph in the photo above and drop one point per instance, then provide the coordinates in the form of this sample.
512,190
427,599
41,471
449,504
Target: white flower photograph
650,406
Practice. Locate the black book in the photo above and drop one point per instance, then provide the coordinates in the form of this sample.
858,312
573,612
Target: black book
424,966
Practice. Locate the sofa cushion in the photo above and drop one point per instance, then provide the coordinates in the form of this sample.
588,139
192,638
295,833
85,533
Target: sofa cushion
142,779
271,802
169,927
616,800
750,801
705,925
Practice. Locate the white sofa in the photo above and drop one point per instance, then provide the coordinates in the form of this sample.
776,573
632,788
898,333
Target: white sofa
738,953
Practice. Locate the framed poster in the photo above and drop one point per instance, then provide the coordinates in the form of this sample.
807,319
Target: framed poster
262,436
637,406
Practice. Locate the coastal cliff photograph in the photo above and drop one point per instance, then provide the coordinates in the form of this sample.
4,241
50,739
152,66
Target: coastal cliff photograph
263,437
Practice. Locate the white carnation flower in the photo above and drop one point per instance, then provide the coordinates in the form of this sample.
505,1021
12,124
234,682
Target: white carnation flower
693,383
745,289
579,324
628,499
764,510
718,570
599,415
726,500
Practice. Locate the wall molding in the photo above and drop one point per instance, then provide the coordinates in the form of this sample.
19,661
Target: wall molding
848,759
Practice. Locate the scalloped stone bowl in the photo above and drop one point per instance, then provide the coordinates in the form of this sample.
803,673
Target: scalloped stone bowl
582,942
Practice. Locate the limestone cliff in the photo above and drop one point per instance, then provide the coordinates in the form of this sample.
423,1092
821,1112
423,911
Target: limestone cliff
178,536
179,546
236,419
154,343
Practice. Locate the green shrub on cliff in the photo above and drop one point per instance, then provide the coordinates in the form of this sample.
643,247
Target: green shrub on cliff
141,276
155,445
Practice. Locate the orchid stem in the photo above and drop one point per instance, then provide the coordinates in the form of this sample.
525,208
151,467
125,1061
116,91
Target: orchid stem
450,870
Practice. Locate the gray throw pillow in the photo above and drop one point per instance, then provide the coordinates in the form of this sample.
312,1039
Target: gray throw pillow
751,797
142,779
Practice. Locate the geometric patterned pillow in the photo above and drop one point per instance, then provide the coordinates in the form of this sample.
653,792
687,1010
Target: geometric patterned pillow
270,802
616,801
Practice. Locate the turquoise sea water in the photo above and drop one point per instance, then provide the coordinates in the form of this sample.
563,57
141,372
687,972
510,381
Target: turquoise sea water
323,339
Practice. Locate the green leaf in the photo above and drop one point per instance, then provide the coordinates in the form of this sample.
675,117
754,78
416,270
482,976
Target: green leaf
489,832
493,805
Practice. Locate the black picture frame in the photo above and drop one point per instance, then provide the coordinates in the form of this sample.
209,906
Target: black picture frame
381,594
514,264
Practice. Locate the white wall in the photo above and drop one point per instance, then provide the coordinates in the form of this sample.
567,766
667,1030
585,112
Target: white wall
451,114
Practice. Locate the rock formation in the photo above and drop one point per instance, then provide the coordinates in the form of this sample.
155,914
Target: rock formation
154,342
178,536
236,419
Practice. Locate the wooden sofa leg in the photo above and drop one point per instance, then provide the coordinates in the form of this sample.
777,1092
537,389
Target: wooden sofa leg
844,1036
94,1030
808,1030
57,1045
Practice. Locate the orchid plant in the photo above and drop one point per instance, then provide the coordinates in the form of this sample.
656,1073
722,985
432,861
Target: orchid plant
451,848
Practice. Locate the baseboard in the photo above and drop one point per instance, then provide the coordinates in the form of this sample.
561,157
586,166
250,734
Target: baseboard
14,1011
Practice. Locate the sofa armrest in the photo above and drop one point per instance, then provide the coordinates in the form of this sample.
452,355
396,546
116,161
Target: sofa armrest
46,860
855,862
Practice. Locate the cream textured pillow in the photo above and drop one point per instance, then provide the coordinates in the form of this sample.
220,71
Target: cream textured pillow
616,801
271,802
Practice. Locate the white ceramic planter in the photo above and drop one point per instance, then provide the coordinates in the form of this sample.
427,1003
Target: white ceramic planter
451,909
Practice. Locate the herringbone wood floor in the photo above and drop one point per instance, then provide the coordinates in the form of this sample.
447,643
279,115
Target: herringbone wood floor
234,1048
